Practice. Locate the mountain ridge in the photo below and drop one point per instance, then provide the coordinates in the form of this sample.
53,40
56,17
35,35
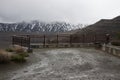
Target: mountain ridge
36,26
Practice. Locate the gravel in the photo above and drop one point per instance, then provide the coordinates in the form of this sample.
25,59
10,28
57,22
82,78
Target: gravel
67,64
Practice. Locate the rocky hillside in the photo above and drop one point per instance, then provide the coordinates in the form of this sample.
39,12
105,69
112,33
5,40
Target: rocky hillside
111,26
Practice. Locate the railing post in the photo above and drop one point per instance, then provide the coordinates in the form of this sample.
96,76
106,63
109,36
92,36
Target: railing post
83,39
70,40
28,42
13,39
21,38
44,41
57,40
95,38
28,38
107,38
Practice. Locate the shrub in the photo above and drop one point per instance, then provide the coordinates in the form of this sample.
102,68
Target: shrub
9,50
16,48
118,35
115,43
18,58
24,54
4,56
19,50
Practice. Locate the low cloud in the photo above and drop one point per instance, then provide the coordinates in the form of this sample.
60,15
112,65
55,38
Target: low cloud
73,11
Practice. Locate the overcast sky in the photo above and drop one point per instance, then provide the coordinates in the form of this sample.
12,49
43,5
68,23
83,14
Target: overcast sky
73,11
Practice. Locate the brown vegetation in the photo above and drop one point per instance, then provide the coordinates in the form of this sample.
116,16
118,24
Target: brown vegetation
14,53
16,49
5,56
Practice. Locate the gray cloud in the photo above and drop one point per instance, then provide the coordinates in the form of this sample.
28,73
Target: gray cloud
73,11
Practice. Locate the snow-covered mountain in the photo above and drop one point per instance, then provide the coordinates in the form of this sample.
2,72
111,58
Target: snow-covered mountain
36,26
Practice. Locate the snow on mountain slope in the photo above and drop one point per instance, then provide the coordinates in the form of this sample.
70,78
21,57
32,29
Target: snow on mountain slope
36,26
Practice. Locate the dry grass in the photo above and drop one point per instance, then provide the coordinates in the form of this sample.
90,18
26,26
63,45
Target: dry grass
5,56
17,49
14,53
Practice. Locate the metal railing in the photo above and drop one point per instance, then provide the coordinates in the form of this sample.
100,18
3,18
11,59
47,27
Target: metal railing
27,40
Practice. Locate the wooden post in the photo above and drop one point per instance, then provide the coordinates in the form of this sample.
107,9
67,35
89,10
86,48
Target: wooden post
13,39
28,42
44,41
70,40
57,40
95,38
107,38
83,39
21,38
